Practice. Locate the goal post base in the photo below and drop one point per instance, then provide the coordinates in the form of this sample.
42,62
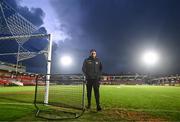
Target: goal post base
66,96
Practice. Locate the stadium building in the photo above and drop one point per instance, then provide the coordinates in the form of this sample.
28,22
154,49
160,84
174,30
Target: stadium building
8,68
9,76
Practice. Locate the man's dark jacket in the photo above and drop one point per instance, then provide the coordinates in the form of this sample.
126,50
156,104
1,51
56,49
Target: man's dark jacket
92,68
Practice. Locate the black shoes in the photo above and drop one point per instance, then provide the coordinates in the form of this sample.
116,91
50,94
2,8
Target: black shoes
99,108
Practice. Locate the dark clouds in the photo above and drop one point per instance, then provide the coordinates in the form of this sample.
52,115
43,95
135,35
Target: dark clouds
125,26
35,16
120,29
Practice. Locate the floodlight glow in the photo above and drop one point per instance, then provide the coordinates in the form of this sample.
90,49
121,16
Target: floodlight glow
150,58
66,60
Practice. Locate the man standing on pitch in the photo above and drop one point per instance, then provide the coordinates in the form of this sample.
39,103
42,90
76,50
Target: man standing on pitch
92,69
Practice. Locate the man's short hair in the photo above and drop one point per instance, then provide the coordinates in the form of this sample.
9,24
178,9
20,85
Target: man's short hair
92,50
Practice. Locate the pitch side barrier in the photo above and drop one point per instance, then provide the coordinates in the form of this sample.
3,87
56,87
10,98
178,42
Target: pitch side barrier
59,96
141,79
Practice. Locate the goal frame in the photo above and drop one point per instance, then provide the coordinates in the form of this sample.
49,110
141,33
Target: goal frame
74,114
49,53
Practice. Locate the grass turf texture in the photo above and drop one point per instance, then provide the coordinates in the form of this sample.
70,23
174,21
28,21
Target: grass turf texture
119,102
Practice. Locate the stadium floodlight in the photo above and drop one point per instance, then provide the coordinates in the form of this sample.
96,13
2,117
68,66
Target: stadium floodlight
66,60
150,58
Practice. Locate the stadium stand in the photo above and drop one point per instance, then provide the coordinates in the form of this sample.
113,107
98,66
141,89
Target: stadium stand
4,82
9,77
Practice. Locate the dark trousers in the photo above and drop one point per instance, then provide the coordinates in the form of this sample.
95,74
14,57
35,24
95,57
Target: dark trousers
95,84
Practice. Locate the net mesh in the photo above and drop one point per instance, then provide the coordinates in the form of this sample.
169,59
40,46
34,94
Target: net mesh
14,24
66,94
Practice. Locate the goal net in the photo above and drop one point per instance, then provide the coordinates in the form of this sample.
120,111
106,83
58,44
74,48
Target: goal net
29,38
53,93
66,96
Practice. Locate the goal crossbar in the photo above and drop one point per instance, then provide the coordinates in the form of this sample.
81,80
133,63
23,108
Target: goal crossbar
25,36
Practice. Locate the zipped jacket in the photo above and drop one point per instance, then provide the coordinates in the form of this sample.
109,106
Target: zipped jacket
92,68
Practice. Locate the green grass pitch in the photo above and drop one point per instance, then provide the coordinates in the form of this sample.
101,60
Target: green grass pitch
119,102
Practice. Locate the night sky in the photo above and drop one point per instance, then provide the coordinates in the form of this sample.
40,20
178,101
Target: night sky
120,31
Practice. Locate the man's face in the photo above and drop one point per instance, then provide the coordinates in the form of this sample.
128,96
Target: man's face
93,54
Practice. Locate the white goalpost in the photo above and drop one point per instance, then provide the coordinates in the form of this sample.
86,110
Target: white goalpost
48,71
14,26
48,53
55,92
